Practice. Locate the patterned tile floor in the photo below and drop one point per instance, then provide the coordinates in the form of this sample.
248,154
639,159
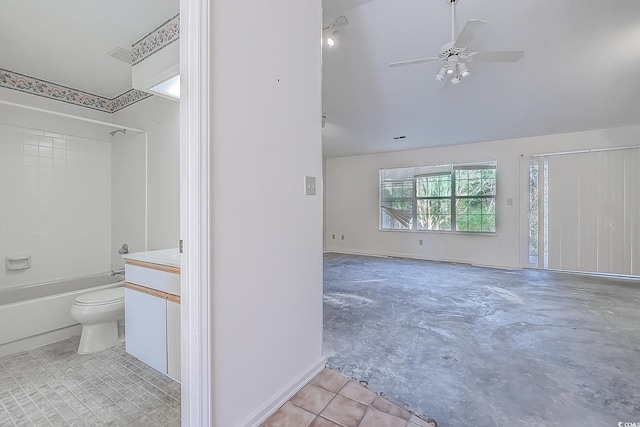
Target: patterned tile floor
54,386
331,399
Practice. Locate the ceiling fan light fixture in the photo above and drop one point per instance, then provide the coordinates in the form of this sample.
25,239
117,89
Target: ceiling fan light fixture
463,70
452,64
456,52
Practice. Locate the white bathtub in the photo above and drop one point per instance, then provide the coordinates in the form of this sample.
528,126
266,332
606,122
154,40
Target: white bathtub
39,314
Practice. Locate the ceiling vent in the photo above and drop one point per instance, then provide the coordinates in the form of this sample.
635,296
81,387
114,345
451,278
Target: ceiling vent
121,54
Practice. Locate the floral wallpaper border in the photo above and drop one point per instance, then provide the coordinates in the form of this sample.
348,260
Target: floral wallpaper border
156,40
27,84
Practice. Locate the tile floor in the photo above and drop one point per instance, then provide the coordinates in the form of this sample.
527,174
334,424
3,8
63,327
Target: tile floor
54,386
331,399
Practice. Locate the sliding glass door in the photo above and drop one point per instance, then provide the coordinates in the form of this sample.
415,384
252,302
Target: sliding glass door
583,212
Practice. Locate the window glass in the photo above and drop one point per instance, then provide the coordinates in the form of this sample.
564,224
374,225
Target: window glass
434,214
437,185
460,197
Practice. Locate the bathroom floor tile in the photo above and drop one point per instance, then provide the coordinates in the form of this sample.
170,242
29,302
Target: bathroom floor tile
55,386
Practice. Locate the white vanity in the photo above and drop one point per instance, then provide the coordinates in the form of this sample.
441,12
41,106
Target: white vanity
152,309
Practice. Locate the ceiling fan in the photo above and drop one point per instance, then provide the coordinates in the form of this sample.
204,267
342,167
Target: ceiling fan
456,54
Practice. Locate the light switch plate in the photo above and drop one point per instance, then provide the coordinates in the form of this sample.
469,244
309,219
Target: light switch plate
310,185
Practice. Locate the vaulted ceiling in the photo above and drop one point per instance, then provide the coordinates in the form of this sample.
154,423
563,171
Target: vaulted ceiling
578,72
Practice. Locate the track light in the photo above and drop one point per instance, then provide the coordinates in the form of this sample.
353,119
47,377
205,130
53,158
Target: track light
329,31
330,40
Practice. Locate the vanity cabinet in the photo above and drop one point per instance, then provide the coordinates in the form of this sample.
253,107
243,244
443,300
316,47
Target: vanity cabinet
152,315
146,328
173,339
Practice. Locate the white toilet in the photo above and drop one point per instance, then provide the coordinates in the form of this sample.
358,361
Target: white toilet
99,313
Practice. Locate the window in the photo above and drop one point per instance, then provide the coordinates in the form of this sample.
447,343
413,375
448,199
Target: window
458,197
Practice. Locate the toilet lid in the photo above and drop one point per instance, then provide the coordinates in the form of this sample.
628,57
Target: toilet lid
106,296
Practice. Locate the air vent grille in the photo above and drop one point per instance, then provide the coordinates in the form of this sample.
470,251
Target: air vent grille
121,54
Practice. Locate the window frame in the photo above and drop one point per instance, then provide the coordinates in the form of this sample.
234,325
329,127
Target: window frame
423,171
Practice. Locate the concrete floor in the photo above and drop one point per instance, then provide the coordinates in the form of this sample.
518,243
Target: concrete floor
486,347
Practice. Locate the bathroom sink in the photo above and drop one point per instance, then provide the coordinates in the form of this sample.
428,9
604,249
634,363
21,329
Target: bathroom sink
163,257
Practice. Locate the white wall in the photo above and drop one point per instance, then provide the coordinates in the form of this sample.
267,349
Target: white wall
160,118
128,195
352,205
55,192
267,235
53,123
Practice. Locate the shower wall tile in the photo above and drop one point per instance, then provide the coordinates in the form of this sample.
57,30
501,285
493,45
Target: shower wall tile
56,192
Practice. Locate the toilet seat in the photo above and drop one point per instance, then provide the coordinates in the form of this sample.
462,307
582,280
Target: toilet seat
104,297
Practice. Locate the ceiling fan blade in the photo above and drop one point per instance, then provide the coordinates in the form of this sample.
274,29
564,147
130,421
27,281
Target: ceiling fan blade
504,56
413,61
469,32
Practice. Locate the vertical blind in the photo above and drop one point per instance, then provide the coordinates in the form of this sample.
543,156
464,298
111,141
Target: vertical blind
594,212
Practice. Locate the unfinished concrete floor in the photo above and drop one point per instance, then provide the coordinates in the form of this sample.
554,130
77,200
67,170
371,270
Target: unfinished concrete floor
486,347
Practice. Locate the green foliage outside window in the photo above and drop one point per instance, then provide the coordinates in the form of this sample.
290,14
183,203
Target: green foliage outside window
446,198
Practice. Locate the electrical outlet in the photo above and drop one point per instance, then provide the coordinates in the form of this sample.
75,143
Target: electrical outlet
420,242
509,201
342,237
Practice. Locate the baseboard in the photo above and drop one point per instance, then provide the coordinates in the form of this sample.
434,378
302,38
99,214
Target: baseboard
592,273
30,343
413,256
265,410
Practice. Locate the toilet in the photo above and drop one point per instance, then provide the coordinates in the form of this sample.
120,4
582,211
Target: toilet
99,313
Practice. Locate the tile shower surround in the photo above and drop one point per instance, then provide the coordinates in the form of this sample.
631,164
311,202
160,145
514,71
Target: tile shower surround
56,204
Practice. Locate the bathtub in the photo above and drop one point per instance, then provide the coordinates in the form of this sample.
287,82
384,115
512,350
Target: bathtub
39,314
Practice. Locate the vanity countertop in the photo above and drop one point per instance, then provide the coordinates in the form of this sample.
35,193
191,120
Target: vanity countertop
169,257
